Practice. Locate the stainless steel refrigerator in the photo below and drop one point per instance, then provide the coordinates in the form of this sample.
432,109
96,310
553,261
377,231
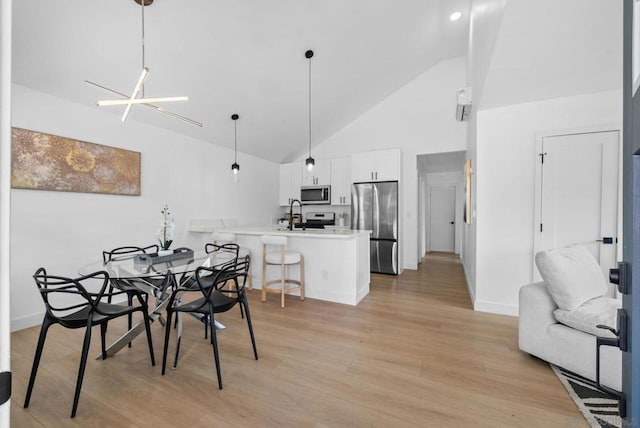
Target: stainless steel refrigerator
374,206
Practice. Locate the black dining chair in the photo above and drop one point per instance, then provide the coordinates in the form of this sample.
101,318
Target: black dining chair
128,251
129,285
69,302
214,298
219,255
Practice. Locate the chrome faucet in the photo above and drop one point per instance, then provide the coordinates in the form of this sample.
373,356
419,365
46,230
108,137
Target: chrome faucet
291,212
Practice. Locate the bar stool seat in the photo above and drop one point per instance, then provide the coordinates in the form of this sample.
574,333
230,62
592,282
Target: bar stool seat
290,258
283,258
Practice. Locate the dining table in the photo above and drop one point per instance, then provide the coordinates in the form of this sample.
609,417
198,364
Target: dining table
154,279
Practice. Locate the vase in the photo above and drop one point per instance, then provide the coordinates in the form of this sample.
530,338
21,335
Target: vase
165,252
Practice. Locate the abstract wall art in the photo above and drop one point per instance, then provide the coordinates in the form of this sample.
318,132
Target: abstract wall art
42,161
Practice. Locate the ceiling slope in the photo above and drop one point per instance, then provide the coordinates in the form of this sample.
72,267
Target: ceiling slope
244,57
550,49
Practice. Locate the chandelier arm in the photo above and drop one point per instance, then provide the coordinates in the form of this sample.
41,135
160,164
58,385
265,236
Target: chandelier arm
139,85
151,106
103,103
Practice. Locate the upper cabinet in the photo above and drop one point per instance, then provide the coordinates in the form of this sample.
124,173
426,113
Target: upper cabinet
290,182
319,175
381,165
340,182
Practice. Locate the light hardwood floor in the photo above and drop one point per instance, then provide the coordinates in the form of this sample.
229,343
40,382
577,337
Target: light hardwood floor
412,353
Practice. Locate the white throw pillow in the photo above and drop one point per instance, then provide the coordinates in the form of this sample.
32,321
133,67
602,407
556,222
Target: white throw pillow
598,311
572,276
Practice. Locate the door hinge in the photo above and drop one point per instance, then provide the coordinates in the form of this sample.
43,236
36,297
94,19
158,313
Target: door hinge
542,155
5,387
540,227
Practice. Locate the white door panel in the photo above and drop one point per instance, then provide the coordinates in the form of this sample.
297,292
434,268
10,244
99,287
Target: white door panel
442,208
579,193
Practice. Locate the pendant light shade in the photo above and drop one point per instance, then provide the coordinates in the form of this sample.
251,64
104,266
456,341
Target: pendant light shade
234,166
310,162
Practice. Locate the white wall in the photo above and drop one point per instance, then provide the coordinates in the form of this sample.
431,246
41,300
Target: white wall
63,231
485,22
505,173
419,118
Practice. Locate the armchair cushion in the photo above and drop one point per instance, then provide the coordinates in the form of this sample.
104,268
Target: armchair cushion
601,310
572,276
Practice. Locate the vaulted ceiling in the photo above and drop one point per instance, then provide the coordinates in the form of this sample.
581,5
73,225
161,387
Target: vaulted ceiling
244,57
550,49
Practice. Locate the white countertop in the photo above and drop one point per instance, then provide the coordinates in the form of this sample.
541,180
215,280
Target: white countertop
298,233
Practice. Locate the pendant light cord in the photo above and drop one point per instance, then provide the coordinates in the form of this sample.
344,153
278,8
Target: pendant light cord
143,63
309,107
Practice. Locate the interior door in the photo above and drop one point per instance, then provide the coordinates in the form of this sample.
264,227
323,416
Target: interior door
631,215
442,208
579,194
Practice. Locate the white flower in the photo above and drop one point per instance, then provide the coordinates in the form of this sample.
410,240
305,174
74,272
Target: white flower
165,229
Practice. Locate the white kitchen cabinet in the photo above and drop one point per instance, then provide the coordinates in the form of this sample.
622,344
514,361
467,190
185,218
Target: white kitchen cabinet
319,175
290,182
381,165
340,182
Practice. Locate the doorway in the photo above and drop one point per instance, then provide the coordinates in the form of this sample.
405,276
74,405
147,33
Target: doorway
577,194
440,170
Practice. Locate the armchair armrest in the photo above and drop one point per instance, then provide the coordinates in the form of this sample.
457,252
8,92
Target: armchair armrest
535,316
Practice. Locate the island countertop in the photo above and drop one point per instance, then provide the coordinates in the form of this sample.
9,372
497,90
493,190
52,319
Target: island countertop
330,233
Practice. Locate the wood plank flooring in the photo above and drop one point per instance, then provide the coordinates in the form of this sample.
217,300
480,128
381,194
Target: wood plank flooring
412,353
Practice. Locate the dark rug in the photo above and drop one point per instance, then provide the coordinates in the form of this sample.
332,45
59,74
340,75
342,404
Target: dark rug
599,408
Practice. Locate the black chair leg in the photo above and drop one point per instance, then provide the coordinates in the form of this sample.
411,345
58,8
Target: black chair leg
246,311
179,341
214,343
147,326
205,321
130,316
103,340
83,363
166,340
109,293
36,359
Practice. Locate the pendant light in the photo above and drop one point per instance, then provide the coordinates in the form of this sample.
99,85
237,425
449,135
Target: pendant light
129,101
309,161
235,167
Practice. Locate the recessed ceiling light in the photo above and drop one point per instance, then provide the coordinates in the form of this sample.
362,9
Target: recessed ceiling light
455,16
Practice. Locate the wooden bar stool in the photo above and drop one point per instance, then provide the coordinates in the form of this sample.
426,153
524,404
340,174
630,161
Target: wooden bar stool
282,258
221,237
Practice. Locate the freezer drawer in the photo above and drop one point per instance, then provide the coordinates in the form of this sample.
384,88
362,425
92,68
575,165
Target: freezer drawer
384,256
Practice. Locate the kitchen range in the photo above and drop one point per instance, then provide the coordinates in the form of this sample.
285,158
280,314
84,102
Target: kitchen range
317,220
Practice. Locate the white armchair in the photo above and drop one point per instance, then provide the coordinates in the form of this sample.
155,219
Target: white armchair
558,317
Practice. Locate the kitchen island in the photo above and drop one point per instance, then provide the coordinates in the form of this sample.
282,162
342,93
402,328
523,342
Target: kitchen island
336,261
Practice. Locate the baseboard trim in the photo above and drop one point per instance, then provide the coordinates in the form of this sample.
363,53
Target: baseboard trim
495,308
472,293
26,321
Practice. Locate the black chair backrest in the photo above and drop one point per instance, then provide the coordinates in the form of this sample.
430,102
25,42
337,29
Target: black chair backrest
221,254
62,295
128,250
234,270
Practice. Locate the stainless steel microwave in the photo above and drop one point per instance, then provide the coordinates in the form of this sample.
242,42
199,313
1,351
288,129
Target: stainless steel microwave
315,195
